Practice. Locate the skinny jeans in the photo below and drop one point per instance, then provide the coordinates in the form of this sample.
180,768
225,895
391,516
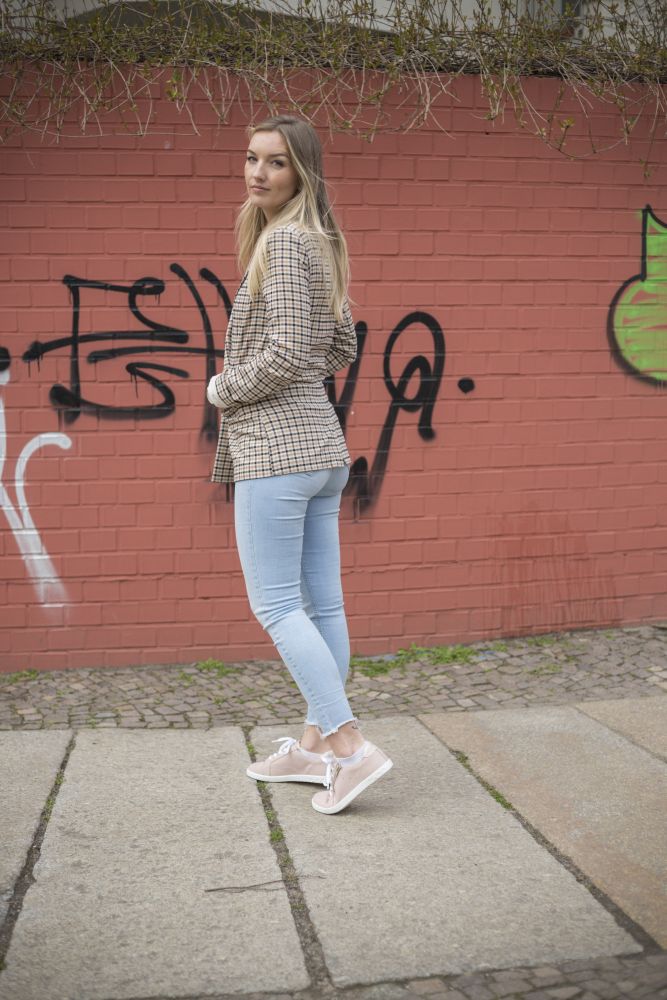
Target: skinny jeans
288,544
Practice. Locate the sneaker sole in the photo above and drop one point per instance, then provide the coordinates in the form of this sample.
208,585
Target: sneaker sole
357,790
312,779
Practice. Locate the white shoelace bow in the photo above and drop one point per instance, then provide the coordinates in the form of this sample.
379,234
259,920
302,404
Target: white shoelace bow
287,743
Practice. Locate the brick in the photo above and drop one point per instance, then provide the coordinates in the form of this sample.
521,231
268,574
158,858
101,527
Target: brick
433,169
15,242
140,217
180,587
81,616
416,243
362,218
417,194
27,217
13,189
173,163
30,269
96,163
157,190
386,626
104,217
160,243
196,190
362,166
135,164
212,164
18,161
386,193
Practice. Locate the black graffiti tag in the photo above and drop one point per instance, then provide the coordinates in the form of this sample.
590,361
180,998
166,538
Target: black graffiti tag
69,400
363,485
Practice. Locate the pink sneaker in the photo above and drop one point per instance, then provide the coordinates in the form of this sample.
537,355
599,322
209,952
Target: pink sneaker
343,784
290,763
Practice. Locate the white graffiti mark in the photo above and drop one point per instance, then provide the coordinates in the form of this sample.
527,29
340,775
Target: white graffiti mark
49,587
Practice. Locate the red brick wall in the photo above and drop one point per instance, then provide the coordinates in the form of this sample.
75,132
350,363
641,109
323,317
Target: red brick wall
533,500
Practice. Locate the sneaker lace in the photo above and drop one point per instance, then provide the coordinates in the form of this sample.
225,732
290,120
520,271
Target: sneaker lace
287,743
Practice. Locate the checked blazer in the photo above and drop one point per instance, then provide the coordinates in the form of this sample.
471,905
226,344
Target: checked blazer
275,416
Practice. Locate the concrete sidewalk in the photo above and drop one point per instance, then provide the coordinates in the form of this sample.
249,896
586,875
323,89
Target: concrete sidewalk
519,852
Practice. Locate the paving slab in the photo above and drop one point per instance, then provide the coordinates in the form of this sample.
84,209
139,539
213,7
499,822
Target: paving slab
642,720
30,762
600,799
156,877
427,874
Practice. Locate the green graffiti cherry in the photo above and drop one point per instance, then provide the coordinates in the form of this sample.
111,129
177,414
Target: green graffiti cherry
637,324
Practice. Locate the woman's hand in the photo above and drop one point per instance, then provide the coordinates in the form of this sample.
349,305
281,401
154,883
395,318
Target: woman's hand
212,393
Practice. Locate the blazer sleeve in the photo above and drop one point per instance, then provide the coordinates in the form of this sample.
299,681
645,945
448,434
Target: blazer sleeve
286,291
343,350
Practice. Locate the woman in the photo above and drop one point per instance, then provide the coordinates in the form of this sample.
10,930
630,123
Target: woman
281,444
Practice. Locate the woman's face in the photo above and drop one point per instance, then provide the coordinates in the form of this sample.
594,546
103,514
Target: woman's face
270,178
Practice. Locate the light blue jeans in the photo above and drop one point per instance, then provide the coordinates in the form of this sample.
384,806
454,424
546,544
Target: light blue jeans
287,539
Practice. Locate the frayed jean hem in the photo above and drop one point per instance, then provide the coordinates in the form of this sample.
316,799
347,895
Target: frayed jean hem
336,728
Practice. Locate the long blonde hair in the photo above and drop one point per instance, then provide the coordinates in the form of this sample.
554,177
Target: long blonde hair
309,208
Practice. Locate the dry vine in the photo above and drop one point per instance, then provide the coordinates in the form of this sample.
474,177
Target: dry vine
348,63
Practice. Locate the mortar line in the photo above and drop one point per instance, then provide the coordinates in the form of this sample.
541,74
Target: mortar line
640,935
26,877
311,946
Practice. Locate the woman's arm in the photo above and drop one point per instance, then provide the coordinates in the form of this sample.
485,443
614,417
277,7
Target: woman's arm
286,293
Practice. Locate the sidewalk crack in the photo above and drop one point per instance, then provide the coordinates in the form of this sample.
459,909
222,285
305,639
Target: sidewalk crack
26,877
623,919
311,946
